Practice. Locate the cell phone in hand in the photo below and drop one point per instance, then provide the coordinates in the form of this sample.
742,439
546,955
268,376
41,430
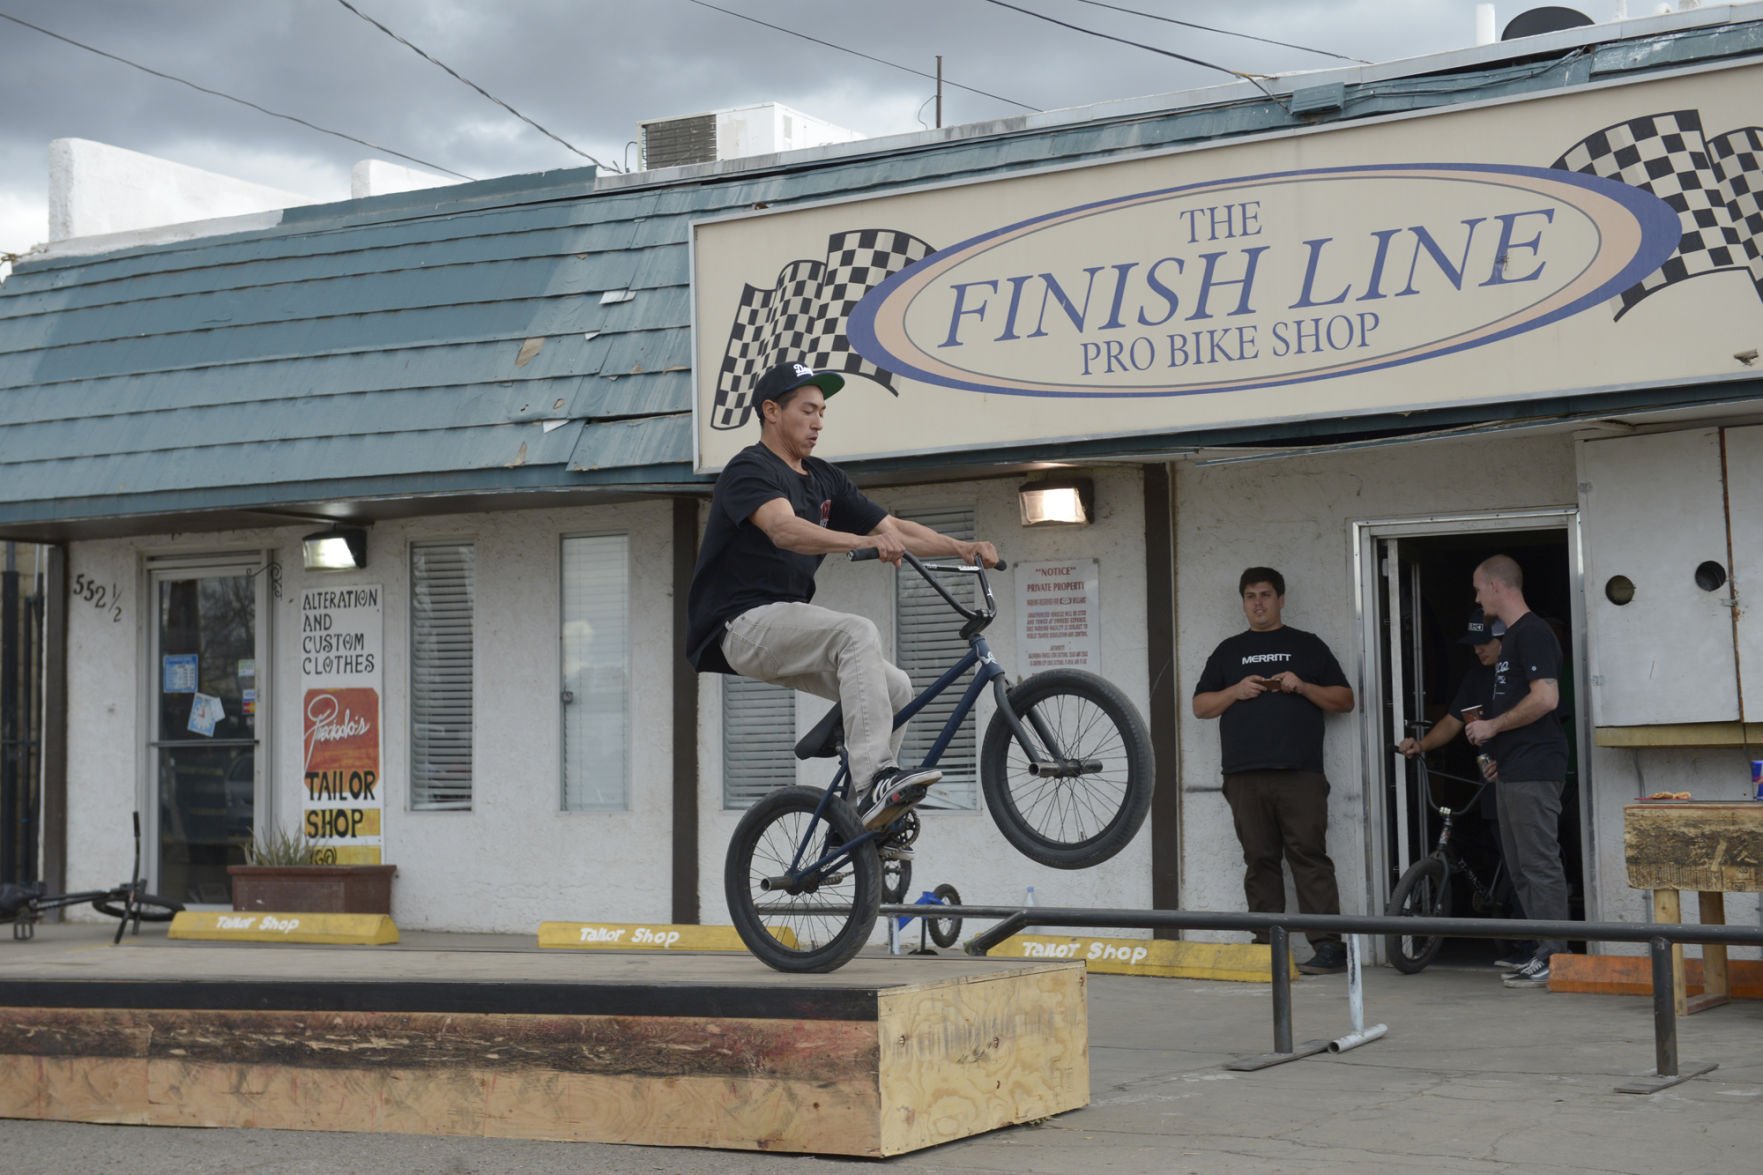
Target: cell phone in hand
1472,714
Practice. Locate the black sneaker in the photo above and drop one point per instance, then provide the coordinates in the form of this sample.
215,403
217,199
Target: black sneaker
1330,959
890,850
892,792
1533,974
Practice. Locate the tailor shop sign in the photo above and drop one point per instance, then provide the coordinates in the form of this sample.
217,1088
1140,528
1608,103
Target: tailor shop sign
342,659
1475,255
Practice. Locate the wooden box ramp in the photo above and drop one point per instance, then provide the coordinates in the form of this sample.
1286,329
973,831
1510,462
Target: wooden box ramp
809,1065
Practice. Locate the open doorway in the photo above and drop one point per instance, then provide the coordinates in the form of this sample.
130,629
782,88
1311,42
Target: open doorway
1424,602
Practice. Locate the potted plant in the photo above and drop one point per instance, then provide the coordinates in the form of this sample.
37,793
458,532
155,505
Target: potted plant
283,874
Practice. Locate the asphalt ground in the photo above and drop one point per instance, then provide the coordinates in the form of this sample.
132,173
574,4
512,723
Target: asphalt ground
1471,1078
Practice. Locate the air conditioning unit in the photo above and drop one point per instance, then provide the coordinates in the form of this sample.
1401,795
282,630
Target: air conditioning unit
765,129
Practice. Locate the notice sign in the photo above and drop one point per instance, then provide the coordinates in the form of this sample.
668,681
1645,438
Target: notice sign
1059,615
342,652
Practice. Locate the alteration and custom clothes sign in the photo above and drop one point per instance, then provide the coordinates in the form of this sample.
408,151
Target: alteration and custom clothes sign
1529,248
342,657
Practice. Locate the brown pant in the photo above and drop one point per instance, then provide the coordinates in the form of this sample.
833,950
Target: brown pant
1284,813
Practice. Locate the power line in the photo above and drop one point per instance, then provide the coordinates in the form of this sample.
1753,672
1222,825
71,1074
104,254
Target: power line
1206,28
461,77
865,56
230,98
1077,28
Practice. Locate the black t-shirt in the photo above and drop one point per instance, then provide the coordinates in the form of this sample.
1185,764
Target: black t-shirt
1474,690
739,567
1274,732
1528,652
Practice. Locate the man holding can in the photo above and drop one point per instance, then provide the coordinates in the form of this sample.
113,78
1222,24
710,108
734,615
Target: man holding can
1519,731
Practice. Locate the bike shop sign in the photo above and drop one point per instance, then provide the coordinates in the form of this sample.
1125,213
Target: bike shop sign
1481,254
342,654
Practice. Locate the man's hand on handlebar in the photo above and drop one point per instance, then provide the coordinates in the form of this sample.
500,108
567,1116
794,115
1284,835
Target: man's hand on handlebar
980,554
1409,747
888,547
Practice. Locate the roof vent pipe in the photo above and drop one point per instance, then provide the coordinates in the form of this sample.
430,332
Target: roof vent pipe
1484,24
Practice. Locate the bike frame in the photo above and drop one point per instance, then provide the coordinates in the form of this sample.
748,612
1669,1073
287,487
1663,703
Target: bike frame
978,660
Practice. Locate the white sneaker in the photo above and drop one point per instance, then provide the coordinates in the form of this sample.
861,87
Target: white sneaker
1533,974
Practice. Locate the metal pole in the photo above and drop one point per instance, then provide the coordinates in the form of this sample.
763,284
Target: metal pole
939,91
1664,1011
1282,989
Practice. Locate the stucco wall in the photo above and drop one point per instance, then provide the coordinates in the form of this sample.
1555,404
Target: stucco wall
514,859
1296,515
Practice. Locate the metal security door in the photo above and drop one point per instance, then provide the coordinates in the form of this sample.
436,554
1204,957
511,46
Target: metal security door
202,748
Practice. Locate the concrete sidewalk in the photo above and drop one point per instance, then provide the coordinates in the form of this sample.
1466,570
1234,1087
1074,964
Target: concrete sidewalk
1472,1078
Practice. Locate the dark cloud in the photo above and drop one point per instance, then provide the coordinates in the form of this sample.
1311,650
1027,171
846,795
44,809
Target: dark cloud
589,70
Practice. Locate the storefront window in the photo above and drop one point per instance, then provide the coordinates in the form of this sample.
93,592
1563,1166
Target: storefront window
596,670
927,640
442,604
758,740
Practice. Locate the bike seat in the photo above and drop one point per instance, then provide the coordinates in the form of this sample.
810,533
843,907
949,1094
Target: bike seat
828,735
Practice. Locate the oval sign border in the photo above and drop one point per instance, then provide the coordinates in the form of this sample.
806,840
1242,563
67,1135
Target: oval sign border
1642,215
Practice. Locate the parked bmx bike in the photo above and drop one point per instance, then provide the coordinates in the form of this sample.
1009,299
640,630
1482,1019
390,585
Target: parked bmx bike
1065,768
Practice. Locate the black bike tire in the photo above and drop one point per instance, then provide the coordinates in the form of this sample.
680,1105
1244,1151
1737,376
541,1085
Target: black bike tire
149,906
1411,959
944,931
895,894
1129,810
739,883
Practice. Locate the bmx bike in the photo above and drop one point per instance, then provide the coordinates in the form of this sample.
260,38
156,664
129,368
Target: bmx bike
1424,889
23,905
1065,768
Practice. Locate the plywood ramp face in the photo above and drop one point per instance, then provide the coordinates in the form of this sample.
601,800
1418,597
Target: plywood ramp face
961,1058
872,1070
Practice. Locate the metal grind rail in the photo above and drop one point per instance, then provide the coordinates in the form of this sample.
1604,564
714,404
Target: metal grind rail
1660,937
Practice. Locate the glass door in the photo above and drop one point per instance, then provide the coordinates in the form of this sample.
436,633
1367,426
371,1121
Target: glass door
203,750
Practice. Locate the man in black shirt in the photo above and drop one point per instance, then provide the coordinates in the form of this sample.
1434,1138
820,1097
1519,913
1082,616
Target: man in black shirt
1519,730
1270,687
1472,692
777,510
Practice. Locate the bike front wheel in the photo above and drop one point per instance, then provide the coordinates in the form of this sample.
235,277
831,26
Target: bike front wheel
811,919
1094,789
148,907
1423,892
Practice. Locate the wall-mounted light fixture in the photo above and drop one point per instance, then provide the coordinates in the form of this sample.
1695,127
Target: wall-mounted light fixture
341,548
1067,501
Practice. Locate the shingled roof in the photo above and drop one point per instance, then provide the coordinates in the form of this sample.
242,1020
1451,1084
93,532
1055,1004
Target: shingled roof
525,334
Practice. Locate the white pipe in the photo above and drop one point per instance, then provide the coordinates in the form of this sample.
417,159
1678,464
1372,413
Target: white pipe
1356,1002
1484,25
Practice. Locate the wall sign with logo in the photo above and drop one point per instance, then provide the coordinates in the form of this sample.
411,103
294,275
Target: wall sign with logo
342,655
1058,615
1507,251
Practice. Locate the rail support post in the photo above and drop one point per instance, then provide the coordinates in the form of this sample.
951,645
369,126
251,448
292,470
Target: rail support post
1667,1071
1283,1051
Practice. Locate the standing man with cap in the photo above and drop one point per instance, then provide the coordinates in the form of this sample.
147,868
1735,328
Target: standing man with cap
776,512
1271,687
1472,692
1471,698
1520,731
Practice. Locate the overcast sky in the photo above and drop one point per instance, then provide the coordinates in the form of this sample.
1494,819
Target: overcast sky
589,70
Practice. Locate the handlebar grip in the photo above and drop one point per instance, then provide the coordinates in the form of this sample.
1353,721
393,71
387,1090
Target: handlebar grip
863,554
1000,565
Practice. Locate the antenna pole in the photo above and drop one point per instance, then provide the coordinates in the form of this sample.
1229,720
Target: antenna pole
939,91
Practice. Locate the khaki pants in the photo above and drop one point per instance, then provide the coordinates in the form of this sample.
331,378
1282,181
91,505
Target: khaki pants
831,655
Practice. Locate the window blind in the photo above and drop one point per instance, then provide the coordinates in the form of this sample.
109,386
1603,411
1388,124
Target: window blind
442,604
927,640
596,671
758,740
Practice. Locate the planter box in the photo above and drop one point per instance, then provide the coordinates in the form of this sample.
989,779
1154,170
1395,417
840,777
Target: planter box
313,889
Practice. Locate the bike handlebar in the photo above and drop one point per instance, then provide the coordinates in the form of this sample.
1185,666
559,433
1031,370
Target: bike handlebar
869,554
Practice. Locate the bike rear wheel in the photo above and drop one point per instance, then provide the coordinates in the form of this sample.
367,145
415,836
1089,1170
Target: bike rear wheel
1094,803
148,907
1423,892
814,920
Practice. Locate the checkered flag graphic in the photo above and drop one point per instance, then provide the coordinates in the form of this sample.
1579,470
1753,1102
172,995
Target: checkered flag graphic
1715,186
803,316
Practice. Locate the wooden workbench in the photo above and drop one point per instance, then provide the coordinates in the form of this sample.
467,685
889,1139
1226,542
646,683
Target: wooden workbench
1712,848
